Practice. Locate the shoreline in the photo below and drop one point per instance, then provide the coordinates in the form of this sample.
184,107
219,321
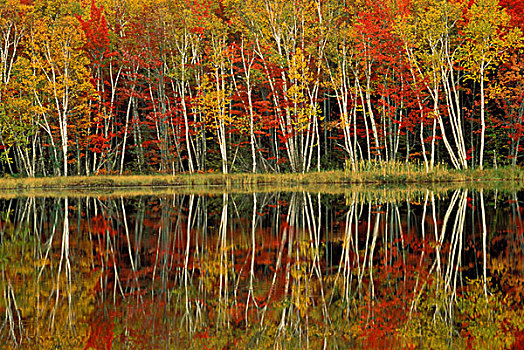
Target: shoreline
247,181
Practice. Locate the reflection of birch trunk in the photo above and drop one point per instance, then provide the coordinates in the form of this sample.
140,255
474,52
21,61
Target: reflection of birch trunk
193,308
398,224
344,266
313,228
223,270
64,261
368,233
164,239
49,245
13,318
423,226
435,229
369,250
128,240
188,238
440,239
253,252
454,259
292,219
289,219
454,256
370,261
109,253
187,254
484,243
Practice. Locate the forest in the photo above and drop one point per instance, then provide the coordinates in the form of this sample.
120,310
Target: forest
186,86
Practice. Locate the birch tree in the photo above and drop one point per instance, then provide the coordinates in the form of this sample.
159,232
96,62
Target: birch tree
487,42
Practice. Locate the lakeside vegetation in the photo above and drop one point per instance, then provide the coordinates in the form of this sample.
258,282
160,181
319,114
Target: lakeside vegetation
368,173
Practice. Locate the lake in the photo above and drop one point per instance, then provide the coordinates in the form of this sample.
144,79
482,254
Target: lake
363,268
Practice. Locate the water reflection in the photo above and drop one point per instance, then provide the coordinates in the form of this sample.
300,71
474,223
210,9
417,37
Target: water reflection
285,270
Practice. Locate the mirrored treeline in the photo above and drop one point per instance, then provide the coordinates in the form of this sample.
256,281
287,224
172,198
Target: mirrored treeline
263,270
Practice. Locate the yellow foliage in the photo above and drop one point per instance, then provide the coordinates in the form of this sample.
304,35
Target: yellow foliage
214,100
61,78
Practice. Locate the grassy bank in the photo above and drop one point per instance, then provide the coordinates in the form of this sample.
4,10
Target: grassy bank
385,173
369,192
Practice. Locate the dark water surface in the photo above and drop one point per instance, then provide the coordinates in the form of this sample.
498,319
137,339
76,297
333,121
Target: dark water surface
267,270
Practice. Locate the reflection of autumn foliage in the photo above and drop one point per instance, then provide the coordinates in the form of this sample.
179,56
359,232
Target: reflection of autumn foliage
398,269
101,226
101,331
53,311
193,272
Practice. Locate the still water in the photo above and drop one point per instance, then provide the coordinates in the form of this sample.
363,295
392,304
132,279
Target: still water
286,270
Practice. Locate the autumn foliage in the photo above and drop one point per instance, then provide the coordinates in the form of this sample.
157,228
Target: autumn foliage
92,87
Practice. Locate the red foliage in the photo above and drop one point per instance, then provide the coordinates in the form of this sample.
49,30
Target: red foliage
515,9
96,32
